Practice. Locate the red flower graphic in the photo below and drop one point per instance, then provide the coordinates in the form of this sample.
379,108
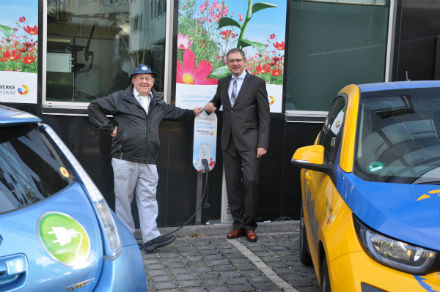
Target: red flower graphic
13,56
188,74
263,69
276,72
272,36
279,46
28,59
22,19
31,30
226,34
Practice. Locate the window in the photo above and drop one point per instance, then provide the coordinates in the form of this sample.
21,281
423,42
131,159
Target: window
30,168
94,46
398,136
330,133
331,44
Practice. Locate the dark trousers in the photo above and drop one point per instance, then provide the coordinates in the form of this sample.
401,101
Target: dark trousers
241,173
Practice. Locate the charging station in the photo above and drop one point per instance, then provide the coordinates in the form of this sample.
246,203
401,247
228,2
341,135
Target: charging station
204,156
205,140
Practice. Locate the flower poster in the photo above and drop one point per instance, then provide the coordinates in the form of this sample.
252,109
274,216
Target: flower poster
207,30
19,51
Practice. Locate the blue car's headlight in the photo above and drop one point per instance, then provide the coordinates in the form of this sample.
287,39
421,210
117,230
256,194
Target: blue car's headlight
112,242
394,253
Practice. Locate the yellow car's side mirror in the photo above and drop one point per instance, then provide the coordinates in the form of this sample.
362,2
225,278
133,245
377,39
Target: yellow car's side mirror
309,154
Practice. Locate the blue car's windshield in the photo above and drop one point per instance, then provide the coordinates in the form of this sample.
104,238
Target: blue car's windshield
398,136
30,167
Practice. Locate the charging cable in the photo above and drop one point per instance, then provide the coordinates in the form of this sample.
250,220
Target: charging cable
204,202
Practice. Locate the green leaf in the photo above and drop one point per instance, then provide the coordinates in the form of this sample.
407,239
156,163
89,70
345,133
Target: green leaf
227,21
221,72
246,43
262,5
6,30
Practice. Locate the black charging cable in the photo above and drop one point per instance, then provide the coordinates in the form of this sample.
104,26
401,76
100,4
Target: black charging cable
204,202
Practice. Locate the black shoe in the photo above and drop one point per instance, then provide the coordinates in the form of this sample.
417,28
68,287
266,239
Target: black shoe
157,242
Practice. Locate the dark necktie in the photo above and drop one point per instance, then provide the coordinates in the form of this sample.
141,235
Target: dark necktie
234,92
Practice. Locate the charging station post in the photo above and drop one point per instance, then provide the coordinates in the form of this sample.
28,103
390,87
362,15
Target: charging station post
204,153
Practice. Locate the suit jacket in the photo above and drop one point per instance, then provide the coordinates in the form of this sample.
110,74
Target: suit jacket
248,121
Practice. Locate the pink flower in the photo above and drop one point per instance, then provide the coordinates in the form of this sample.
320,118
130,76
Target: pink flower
240,17
22,19
272,36
189,74
183,42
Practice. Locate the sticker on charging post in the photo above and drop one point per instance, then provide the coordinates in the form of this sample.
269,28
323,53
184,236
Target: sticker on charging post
205,140
64,238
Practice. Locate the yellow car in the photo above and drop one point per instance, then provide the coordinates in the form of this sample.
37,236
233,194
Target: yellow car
370,213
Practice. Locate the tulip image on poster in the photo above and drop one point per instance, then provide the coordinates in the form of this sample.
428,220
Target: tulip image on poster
207,30
18,46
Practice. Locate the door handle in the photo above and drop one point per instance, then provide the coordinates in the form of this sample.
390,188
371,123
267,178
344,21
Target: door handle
308,175
13,271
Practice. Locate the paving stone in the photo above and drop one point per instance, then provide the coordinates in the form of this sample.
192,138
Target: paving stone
184,277
157,272
163,278
230,274
264,286
223,268
203,275
177,271
213,282
241,288
219,289
165,285
237,281
189,283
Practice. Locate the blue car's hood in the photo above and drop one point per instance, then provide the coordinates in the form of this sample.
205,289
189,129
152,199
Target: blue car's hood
407,212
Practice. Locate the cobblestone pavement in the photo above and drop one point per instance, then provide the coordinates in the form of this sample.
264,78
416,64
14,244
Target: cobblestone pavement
216,264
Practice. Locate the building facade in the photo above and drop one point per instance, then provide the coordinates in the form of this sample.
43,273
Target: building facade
90,47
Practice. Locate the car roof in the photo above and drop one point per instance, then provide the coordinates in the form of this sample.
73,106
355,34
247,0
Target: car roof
398,85
10,116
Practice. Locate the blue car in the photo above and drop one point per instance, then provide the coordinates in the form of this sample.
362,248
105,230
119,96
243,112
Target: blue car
57,232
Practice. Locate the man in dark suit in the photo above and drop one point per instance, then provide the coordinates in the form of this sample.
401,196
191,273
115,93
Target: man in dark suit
244,140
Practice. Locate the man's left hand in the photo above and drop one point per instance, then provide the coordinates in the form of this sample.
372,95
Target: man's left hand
198,110
261,152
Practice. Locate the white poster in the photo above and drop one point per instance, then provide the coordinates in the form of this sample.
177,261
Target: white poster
19,51
18,87
207,30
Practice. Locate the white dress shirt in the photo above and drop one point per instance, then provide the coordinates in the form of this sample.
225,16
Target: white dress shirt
144,101
240,80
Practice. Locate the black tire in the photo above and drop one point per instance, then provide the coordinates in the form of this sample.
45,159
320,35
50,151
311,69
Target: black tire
325,278
304,252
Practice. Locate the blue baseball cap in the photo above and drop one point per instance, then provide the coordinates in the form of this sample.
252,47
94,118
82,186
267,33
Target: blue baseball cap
142,69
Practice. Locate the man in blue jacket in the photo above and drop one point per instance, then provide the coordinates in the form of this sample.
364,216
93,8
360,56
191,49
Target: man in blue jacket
137,112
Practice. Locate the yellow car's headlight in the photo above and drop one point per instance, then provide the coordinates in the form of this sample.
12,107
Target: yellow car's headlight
394,253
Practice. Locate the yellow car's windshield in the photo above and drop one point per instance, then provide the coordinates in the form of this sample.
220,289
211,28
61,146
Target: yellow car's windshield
398,136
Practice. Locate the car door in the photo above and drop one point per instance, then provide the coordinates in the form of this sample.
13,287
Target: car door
50,239
318,186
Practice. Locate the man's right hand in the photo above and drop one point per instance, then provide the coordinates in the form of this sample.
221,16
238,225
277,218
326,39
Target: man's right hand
209,107
115,131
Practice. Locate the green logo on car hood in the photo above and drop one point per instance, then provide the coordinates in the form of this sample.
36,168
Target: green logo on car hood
64,238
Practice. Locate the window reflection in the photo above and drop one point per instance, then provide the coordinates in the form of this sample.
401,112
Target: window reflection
94,45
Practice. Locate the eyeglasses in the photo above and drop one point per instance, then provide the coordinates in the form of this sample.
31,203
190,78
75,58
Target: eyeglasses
235,60
148,79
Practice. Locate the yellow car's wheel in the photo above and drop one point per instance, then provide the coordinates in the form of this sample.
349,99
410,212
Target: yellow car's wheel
304,253
325,278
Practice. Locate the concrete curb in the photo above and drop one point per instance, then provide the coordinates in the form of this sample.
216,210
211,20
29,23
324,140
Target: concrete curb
212,230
